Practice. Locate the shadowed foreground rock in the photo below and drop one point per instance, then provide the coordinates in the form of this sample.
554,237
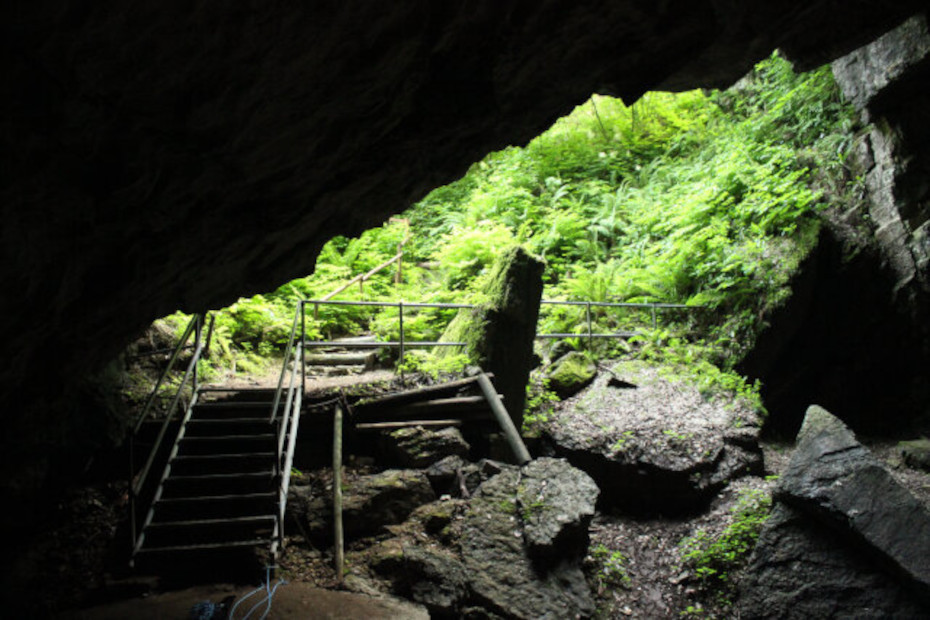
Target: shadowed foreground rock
844,538
513,550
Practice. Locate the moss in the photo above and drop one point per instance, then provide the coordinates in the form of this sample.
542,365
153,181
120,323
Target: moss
571,373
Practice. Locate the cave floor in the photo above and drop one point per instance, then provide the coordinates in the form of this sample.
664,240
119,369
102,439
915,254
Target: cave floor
76,556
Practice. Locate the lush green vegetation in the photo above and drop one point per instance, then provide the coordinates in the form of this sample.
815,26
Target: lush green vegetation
712,558
702,198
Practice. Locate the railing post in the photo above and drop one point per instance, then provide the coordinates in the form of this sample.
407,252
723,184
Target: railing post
590,337
400,318
303,349
654,322
197,340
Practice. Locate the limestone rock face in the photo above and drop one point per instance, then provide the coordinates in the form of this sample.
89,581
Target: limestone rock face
843,540
801,569
513,550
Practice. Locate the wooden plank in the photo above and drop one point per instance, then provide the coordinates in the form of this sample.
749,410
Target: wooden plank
503,418
390,426
342,359
409,396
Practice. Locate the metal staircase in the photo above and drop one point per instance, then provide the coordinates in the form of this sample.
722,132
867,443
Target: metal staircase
225,474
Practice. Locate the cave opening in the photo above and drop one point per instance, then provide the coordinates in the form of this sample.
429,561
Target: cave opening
159,191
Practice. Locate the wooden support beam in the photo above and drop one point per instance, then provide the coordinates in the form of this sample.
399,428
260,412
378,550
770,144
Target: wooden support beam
409,396
367,358
391,426
503,418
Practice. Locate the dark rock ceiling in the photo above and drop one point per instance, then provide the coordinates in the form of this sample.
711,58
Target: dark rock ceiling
166,155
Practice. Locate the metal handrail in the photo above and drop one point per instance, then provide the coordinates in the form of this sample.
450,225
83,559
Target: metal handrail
137,481
400,305
288,420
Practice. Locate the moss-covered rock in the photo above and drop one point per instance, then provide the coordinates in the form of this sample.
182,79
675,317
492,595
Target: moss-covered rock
571,373
499,334
916,453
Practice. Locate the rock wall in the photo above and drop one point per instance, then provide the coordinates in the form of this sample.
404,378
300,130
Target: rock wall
889,82
171,155
855,335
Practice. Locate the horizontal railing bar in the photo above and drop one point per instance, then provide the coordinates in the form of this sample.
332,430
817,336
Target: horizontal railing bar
617,304
613,335
394,304
553,302
378,345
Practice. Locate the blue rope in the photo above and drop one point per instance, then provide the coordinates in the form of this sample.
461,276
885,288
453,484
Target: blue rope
269,594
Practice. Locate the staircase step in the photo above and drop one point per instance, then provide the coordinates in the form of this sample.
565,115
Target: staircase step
228,427
230,544
194,523
215,506
221,463
188,486
209,531
225,444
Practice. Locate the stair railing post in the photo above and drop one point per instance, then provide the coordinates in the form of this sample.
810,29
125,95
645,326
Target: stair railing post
337,493
303,348
588,315
400,319
197,340
654,322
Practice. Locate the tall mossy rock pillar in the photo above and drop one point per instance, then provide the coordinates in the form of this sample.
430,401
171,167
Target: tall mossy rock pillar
499,334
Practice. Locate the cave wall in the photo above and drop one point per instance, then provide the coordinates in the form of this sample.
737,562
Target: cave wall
855,336
166,155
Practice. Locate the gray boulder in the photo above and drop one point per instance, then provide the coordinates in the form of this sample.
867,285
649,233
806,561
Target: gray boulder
802,569
369,503
457,477
556,502
844,540
421,447
654,444
834,478
503,576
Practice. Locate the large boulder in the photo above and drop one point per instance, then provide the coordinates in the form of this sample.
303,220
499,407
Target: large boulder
369,503
504,577
499,334
844,535
556,502
421,447
655,444
803,569
513,550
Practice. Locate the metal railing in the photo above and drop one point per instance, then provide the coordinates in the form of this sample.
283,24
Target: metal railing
137,482
286,420
402,343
